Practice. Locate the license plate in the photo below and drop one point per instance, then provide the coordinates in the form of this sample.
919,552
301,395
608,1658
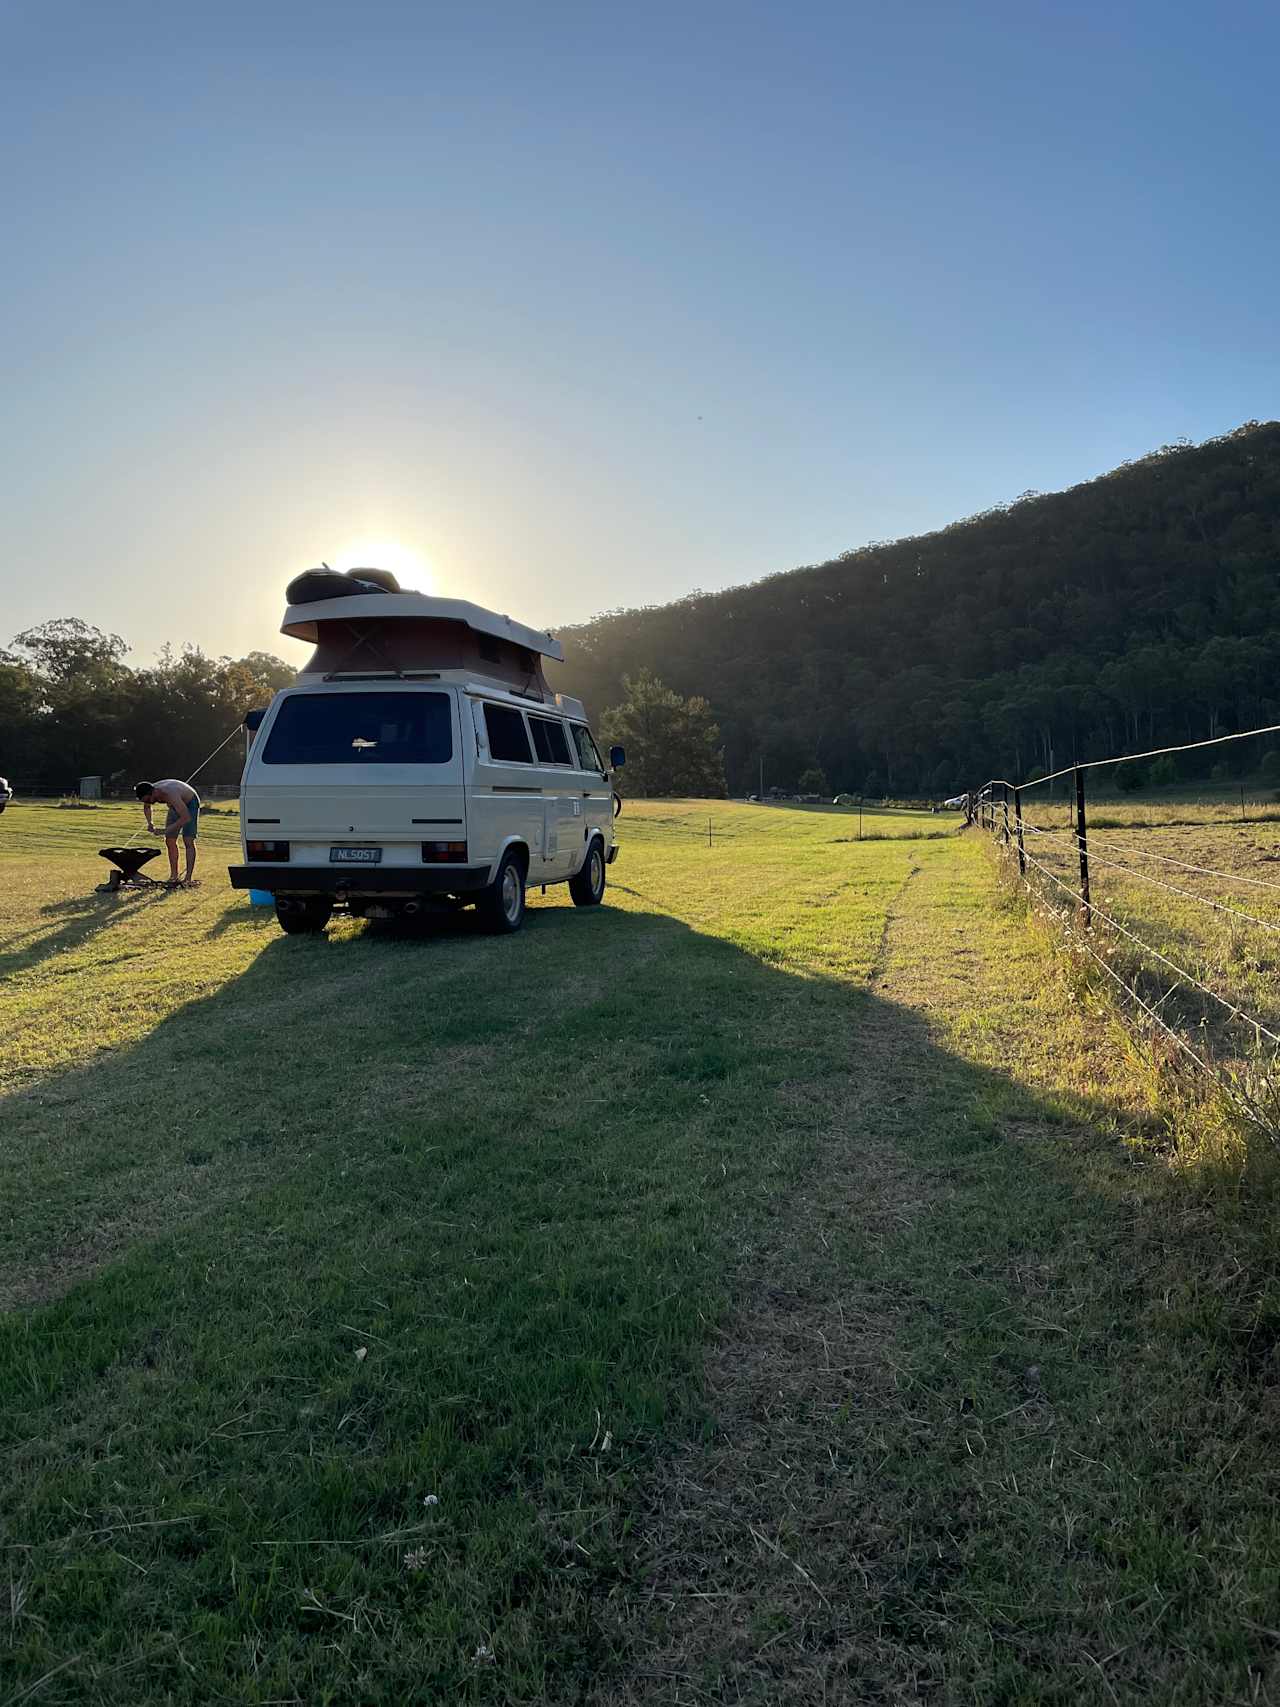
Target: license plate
355,856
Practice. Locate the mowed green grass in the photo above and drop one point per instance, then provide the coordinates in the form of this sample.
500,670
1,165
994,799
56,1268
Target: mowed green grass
348,1279
770,1287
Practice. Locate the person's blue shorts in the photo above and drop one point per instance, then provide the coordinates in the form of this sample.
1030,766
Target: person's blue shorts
190,828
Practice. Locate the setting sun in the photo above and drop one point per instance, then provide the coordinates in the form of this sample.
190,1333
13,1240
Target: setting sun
409,567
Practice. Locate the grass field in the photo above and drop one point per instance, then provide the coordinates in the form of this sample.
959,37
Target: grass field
1253,798
1187,916
764,1288
1186,890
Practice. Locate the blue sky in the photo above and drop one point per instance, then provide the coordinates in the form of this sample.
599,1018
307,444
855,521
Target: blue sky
585,305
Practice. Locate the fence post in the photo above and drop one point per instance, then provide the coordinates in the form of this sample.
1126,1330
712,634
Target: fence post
1017,813
1006,814
1082,841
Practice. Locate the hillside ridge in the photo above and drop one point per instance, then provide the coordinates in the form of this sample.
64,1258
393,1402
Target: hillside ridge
1137,606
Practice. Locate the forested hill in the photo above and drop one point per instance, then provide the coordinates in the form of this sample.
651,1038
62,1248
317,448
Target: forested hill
1139,608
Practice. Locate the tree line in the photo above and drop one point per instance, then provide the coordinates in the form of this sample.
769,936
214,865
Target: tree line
70,707
1139,609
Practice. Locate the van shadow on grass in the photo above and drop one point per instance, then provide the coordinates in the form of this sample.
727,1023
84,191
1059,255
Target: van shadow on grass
76,921
434,922
385,1220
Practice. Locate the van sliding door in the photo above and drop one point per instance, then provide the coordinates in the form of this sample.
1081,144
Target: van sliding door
561,796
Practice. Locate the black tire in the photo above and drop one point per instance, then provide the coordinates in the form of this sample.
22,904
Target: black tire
501,905
587,888
306,917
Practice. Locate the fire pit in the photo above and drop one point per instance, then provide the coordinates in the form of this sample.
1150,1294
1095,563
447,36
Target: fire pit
128,873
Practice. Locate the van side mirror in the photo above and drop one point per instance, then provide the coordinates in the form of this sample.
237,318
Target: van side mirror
617,757
253,721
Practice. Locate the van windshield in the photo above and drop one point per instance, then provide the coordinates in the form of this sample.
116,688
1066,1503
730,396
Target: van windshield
361,729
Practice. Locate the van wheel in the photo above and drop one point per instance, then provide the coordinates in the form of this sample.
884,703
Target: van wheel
587,888
501,905
304,917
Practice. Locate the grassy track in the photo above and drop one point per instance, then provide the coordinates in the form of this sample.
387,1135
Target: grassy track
783,1179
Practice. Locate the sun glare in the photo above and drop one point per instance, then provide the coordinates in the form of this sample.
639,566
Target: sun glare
409,567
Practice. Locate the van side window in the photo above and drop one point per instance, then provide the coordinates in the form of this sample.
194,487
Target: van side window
508,742
549,741
588,753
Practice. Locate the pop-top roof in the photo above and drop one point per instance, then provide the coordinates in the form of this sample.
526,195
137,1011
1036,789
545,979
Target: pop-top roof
302,621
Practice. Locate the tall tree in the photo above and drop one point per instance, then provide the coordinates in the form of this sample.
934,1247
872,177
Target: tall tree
66,647
673,744
82,683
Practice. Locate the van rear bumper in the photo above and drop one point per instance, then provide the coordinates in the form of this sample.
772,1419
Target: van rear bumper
367,880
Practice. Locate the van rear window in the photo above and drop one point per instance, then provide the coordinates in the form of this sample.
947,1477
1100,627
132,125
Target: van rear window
361,729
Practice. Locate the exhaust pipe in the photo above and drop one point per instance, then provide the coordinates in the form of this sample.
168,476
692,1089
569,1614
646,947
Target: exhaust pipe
412,908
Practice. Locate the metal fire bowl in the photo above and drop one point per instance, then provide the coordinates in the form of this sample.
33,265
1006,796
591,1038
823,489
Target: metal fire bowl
129,860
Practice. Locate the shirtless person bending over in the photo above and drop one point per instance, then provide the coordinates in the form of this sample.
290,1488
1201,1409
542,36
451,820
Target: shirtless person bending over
183,818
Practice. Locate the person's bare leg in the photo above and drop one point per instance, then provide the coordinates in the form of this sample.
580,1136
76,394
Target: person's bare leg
191,857
171,848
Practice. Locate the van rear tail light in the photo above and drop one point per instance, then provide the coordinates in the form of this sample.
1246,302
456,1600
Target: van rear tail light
444,853
278,851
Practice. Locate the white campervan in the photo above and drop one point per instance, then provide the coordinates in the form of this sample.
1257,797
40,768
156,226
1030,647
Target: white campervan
420,759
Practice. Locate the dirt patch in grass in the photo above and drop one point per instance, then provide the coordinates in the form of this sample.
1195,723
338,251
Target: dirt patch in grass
62,1268
200,1188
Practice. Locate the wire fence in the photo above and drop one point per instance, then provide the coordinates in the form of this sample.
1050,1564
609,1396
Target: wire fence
1146,893
43,787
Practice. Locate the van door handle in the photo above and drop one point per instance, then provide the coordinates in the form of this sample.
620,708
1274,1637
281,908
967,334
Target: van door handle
586,794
